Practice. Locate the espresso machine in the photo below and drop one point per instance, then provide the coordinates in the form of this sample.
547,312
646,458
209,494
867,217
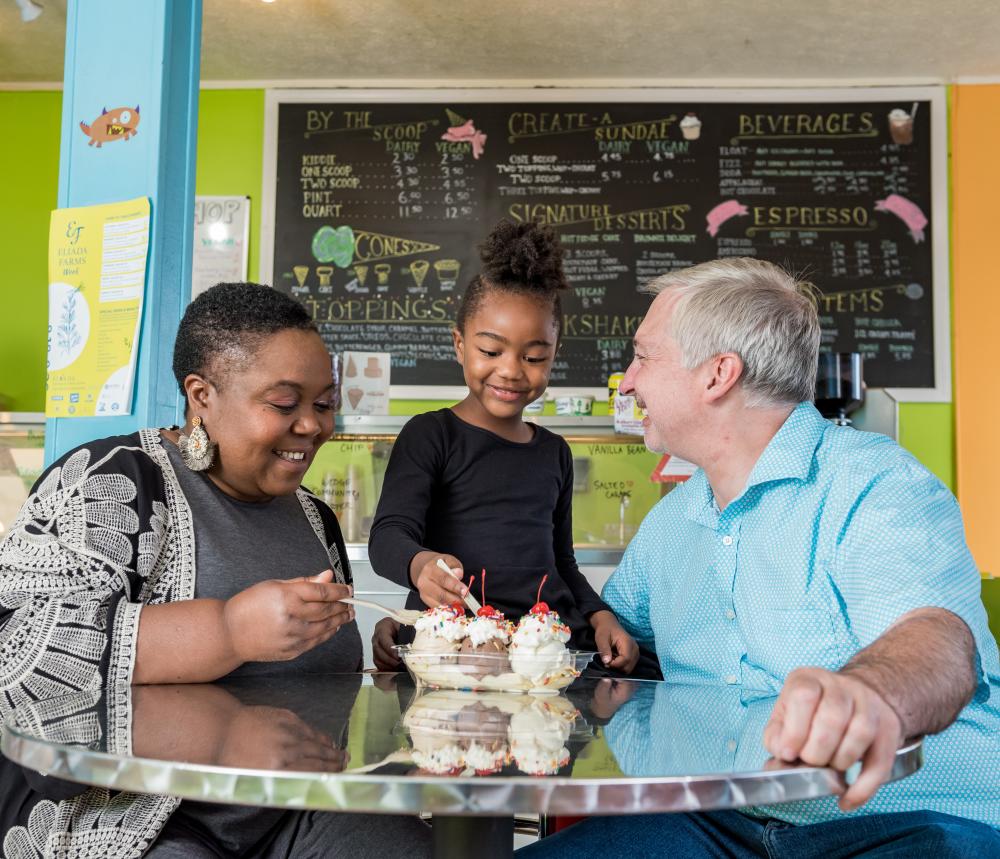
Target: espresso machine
840,389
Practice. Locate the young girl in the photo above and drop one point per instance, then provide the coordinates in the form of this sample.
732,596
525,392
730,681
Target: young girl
479,487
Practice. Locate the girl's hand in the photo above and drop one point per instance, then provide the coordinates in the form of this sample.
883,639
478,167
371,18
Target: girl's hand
279,619
385,636
617,648
435,586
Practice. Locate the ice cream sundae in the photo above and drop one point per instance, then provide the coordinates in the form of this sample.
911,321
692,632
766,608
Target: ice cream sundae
453,651
464,733
440,629
538,645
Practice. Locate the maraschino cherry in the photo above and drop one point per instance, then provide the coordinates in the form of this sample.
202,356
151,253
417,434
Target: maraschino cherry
486,610
540,607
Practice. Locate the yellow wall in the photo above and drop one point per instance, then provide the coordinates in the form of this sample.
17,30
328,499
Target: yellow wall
975,133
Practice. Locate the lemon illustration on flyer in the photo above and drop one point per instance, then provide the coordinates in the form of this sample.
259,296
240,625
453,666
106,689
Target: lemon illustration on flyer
97,278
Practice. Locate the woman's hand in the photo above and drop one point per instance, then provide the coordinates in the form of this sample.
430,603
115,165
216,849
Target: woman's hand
435,586
277,739
277,620
385,636
616,647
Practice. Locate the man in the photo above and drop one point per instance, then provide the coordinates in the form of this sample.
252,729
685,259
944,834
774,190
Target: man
805,559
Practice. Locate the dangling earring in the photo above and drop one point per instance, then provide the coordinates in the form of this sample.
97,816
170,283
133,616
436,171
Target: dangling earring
197,451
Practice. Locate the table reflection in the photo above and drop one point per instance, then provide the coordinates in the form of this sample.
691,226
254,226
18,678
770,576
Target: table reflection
351,723
375,743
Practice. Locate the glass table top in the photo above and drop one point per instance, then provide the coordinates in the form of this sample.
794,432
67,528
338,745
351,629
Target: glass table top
375,743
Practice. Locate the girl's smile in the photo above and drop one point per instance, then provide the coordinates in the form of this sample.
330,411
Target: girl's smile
506,351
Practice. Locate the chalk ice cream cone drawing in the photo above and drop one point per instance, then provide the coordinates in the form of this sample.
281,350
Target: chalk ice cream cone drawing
418,269
301,272
691,127
382,272
362,272
464,131
118,124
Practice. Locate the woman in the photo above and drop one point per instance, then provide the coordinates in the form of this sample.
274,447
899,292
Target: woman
151,558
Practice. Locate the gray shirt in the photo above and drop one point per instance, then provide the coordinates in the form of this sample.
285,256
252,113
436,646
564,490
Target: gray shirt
239,543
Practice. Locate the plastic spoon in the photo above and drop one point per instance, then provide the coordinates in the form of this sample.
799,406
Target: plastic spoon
406,616
468,599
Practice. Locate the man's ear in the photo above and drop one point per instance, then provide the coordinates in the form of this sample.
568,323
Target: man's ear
459,343
723,372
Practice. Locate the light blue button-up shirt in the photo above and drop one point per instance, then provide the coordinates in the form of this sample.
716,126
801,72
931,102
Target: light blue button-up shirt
836,535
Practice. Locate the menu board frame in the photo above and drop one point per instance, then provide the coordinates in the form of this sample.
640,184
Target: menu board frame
936,95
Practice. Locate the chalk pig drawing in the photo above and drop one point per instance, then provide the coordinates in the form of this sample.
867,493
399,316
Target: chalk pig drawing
117,124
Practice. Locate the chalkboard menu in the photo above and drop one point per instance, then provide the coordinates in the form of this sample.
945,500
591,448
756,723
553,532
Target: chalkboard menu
379,207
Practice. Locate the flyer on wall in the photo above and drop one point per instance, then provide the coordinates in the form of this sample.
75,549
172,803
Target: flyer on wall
97,277
221,241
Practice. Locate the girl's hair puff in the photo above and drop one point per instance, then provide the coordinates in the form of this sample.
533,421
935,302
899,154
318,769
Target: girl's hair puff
522,259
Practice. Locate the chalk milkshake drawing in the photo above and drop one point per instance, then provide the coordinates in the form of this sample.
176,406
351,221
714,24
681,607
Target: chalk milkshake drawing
117,124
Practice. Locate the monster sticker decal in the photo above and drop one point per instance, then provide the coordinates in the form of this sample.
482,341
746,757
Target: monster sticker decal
117,124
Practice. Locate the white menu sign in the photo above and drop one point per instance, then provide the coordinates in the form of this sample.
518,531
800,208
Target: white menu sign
221,237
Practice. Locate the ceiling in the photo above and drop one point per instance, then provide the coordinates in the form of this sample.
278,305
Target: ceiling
667,41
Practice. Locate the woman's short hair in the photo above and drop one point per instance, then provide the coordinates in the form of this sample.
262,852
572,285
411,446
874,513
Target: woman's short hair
228,321
755,309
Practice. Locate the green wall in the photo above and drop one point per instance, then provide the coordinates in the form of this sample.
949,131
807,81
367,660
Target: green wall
29,153
231,152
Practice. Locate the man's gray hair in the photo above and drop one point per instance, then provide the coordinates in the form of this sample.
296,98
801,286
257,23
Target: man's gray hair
755,309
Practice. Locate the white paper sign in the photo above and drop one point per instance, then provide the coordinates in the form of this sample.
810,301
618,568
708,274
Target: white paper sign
365,386
221,235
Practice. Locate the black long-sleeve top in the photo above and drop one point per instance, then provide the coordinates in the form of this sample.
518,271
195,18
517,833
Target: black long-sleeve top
504,506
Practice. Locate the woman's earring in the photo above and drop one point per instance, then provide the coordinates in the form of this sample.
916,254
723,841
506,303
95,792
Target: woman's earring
197,450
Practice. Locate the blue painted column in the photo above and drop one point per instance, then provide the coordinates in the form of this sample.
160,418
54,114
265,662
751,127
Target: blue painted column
144,55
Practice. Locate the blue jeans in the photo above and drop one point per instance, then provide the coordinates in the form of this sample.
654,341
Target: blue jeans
926,834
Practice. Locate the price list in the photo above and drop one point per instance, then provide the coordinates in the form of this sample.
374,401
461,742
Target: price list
380,210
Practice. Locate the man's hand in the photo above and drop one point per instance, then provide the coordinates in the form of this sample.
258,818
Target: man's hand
834,719
616,647
385,636
276,620
609,696
435,586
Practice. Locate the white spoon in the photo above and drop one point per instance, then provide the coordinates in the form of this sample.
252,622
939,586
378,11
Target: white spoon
406,616
468,599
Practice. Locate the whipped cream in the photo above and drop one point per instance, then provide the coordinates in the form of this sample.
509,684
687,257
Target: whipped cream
487,628
535,630
444,621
